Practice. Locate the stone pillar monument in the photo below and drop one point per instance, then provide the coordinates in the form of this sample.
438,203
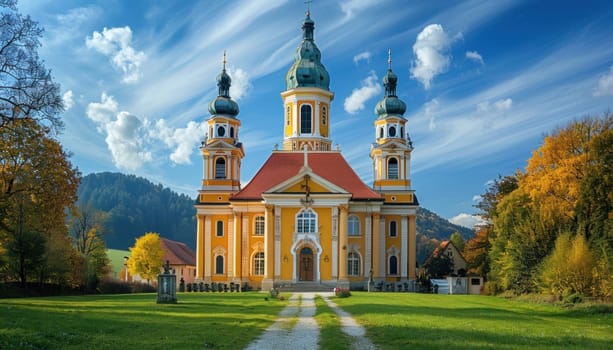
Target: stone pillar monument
167,286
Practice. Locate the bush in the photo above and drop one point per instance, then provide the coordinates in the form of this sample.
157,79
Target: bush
342,292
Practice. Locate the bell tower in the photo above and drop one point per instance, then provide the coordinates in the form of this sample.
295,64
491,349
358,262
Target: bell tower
391,151
307,97
221,149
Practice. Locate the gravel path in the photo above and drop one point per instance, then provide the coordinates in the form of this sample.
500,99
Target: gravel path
305,333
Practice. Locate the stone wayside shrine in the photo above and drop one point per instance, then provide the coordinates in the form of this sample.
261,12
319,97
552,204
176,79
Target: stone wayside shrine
167,286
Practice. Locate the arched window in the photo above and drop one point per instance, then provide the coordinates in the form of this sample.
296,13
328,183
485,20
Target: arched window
219,228
306,221
401,131
391,131
393,229
258,263
305,119
353,264
353,225
392,168
393,265
220,168
380,132
259,226
219,265
221,131
232,131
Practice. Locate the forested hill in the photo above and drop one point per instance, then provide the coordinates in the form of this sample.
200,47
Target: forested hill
136,206
434,226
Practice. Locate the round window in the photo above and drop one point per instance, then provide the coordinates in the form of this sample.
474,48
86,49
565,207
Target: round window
221,131
392,131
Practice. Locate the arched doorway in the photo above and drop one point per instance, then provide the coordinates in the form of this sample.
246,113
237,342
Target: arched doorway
305,267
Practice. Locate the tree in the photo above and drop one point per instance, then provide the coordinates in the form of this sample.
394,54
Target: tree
439,266
476,251
458,241
27,90
146,256
37,184
86,227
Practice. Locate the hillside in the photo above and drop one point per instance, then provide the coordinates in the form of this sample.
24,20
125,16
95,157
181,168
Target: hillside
135,206
434,226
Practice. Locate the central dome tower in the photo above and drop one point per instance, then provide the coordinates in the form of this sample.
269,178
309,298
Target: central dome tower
307,97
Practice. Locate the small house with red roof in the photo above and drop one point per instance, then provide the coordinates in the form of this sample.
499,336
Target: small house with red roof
181,259
306,217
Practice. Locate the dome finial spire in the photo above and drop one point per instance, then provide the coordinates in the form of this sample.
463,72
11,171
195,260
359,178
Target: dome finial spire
389,59
224,60
308,3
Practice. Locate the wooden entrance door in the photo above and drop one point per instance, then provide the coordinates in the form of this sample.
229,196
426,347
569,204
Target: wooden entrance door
306,264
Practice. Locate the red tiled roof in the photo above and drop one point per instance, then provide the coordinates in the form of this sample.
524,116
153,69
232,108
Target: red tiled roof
177,253
331,166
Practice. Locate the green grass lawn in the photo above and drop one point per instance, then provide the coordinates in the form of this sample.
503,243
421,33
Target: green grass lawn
428,321
135,321
233,320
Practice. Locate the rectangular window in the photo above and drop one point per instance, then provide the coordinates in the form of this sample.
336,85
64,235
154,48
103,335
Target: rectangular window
219,230
259,226
393,229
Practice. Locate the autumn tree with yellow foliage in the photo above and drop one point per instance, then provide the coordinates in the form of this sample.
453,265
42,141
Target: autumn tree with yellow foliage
146,256
567,187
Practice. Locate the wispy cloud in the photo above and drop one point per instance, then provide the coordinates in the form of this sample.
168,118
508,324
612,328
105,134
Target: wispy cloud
431,54
117,44
362,56
605,84
475,56
350,7
369,89
499,106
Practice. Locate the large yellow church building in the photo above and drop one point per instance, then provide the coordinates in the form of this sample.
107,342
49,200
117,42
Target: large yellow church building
306,217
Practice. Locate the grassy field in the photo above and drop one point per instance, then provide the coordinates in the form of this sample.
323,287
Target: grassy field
135,321
427,321
232,320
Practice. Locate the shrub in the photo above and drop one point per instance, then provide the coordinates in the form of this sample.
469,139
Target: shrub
342,292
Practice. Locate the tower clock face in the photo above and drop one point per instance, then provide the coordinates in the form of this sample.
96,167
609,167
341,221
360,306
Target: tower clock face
392,131
221,131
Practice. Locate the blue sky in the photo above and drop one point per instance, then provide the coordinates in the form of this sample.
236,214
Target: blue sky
483,81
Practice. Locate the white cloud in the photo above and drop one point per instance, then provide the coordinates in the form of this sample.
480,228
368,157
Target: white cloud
183,140
67,100
241,85
466,220
125,133
116,43
605,84
352,6
363,56
497,107
430,109
431,57
475,56
370,88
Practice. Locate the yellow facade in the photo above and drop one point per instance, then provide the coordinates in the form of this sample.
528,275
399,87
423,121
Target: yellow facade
312,225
